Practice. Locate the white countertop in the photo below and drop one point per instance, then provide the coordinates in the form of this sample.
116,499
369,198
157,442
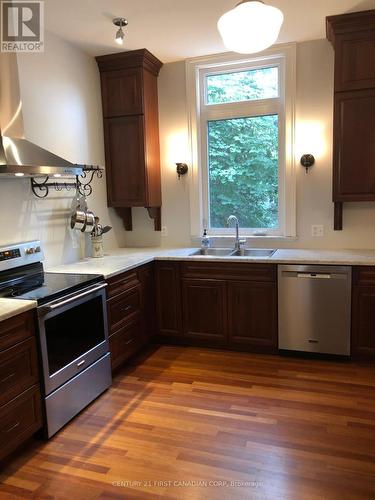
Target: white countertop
12,307
126,259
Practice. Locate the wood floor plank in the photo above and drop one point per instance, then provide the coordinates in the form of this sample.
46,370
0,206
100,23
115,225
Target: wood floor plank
189,423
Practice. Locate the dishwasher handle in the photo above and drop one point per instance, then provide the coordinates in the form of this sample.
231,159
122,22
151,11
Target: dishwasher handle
315,276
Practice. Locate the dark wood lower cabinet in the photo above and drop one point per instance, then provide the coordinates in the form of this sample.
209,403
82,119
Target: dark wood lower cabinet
20,400
252,315
363,313
363,322
168,299
223,305
19,420
204,309
125,342
131,312
146,275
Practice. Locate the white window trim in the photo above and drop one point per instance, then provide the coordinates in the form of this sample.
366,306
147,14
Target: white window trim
198,190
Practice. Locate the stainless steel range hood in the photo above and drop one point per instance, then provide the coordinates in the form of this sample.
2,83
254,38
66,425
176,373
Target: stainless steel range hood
18,156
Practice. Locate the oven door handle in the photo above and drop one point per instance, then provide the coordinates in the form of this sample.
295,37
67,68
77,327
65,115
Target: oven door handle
48,308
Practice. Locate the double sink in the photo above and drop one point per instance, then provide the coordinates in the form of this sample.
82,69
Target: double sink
229,252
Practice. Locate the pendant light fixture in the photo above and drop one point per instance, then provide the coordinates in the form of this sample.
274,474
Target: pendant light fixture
120,35
250,27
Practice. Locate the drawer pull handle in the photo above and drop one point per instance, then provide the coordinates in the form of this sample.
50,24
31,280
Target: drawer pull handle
12,428
81,363
7,378
127,308
129,341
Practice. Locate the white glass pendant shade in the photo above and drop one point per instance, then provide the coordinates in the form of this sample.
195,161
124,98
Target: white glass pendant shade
250,27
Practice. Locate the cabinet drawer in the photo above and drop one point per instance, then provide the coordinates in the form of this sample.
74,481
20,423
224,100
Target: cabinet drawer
16,329
124,343
122,307
19,420
364,276
121,283
18,370
235,271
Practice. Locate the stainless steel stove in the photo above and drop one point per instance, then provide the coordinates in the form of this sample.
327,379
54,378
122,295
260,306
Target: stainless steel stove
72,328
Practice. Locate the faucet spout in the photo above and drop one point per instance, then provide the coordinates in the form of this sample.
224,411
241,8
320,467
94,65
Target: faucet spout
234,219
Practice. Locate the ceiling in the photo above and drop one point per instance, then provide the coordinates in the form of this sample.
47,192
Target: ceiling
178,29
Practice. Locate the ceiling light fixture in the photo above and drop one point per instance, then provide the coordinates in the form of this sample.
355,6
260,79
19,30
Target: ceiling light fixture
250,27
120,35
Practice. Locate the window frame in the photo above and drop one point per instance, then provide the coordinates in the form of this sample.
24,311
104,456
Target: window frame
200,112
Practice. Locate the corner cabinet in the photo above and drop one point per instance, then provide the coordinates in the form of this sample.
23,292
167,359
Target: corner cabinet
131,132
353,39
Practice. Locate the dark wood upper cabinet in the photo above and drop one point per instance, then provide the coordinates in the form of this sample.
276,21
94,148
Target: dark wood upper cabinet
126,170
354,146
353,38
120,91
131,132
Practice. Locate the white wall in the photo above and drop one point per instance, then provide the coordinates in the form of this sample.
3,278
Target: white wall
314,113
60,90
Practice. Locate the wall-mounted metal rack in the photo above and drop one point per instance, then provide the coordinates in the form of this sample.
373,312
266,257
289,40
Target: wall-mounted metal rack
82,182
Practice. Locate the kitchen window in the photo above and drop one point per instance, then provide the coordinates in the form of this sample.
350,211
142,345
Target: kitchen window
241,127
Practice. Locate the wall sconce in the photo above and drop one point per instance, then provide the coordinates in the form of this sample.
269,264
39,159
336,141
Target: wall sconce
181,169
307,161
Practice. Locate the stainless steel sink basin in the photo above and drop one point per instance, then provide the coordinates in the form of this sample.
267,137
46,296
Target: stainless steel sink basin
255,252
214,251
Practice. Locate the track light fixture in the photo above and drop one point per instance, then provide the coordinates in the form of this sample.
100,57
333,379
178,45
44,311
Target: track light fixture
120,35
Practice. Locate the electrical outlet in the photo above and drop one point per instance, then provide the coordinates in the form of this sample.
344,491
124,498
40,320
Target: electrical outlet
164,231
317,231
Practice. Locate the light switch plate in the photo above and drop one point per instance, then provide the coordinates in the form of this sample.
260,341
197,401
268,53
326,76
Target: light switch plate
164,231
317,231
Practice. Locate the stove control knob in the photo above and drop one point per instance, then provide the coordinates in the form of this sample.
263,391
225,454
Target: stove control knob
37,250
30,251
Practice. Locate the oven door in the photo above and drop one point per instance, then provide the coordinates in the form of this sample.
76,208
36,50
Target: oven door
73,334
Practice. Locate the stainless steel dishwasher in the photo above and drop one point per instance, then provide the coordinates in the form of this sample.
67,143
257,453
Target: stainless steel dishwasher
314,308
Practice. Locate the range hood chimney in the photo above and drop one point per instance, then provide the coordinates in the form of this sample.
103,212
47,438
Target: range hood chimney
18,156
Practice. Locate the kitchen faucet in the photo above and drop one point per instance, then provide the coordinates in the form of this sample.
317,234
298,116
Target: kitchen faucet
238,244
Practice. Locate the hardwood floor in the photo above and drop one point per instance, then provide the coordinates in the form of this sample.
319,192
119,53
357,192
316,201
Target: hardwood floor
183,421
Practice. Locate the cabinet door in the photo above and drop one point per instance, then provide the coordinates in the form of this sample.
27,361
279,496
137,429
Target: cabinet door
252,313
168,298
354,146
122,92
355,61
363,322
147,279
204,309
125,161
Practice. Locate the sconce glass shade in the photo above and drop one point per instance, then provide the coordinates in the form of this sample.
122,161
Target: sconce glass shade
250,27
